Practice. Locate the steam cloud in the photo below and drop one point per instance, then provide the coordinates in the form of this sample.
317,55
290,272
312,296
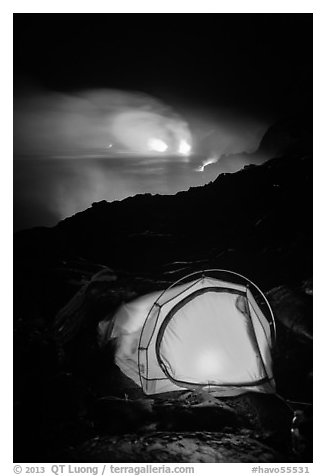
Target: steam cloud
101,123
73,149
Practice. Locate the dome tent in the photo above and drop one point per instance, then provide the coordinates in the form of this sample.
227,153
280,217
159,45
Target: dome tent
212,330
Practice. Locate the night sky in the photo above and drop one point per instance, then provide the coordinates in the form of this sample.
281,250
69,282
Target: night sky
110,105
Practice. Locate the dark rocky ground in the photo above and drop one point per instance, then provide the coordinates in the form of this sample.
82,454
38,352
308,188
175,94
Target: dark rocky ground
70,401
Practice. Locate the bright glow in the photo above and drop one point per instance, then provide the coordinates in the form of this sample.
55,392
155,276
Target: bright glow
184,147
206,162
209,365
151,132
157,145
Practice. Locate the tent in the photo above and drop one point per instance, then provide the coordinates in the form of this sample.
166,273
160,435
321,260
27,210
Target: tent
211,330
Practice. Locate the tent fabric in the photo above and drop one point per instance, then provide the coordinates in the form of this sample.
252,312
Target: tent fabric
206,333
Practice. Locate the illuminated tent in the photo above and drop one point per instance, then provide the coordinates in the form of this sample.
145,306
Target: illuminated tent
212,330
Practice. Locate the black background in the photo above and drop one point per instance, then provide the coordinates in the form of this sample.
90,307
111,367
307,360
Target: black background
254,61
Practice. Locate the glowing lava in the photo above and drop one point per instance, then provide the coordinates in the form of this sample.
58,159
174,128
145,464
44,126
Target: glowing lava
143,132
209,161
184,147
157,145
